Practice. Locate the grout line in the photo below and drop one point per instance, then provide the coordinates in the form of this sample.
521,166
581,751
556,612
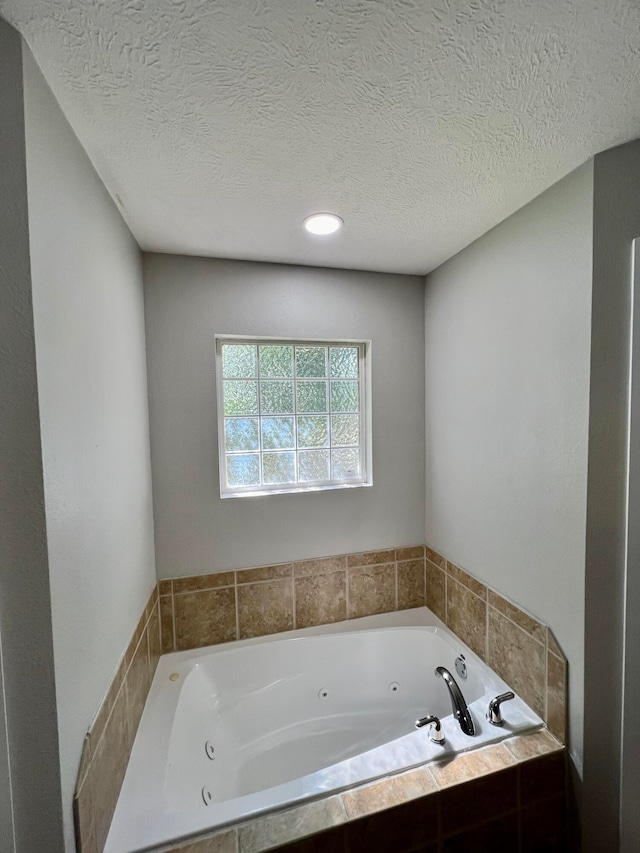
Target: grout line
346,594
546,676
424,581
173,619
207,589
293,601
486,636
515,624
237,606
395,575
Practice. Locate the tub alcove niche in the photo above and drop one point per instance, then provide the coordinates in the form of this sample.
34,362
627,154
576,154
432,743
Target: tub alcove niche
498,394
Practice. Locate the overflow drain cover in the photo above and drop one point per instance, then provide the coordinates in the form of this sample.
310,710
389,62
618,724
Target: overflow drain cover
174,676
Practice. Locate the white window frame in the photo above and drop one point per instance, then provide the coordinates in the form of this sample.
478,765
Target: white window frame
364,382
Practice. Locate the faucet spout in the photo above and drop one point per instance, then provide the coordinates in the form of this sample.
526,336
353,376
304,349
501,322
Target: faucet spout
460,710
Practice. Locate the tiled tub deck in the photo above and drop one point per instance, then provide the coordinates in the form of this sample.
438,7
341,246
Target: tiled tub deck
191,612
504,798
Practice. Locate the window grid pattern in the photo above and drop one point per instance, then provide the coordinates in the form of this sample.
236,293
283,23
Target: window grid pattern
292,414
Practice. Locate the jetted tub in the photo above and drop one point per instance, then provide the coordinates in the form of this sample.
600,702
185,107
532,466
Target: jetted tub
235,730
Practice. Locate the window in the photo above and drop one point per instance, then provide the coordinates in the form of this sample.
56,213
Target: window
292,415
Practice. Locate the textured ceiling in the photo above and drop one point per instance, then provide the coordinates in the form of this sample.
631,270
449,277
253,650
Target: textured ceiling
218,126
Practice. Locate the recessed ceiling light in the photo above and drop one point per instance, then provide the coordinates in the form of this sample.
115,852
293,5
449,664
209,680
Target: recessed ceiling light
323,223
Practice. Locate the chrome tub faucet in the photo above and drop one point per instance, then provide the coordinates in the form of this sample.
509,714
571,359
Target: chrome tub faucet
435,728
493,714
460,710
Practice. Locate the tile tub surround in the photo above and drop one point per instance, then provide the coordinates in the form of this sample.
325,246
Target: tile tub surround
108,743
522,650
510,795
202,610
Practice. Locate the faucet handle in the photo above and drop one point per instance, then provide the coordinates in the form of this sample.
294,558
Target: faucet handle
435,729
493,714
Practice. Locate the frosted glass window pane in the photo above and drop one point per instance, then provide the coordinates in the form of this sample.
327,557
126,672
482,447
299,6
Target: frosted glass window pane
238,361
276,362
240,398
313,465
313,431
311,361
243,469
277,433
241,434
312,396
344,396
345,429
276,398
279,467
344,362
345,464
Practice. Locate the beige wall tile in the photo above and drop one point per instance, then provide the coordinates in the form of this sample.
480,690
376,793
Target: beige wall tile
411,589
466,580
264,573
152,600
471,765
518,659
531,745
372,589
198,582
553,644
388,792
153,630
221,842
466,616
281,827
135,639
436,559
98,724
85,758
108,767
557,696
165,586
414,552
321,599
522,619
265,608
166,624
316,567
204,618
371,558
436,590
138,680
83,816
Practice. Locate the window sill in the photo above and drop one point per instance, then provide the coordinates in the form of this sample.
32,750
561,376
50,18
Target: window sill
294,490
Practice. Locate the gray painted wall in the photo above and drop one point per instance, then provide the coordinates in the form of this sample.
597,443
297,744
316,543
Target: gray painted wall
89,324
507,395
25,614
187,301
616,224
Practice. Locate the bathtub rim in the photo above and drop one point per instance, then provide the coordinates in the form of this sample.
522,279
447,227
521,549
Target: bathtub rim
414,618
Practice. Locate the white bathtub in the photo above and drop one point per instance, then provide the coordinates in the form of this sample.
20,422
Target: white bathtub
235,730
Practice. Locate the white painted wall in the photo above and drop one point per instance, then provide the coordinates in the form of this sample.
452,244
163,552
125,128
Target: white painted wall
507,409
187,301
611,809
30,748
89,323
